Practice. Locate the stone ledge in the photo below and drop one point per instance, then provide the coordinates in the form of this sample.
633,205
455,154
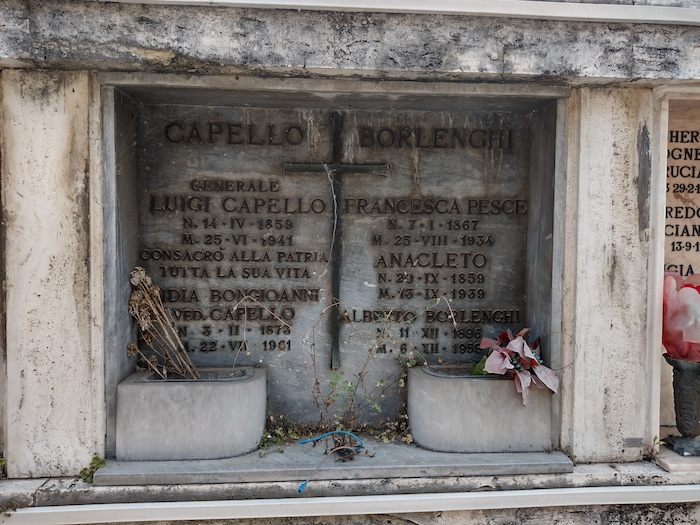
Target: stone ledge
72,491
19,492
673,462
299,463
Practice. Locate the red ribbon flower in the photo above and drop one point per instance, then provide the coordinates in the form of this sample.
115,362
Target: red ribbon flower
512,357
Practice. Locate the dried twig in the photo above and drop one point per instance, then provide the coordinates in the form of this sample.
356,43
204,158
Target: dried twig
170,357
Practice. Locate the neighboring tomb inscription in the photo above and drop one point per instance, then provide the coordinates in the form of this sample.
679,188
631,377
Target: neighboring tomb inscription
682,228
297,239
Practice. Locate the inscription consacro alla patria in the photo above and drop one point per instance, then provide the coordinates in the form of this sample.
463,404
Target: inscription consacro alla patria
267,228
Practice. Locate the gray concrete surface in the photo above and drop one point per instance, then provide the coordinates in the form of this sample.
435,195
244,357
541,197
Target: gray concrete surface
205,419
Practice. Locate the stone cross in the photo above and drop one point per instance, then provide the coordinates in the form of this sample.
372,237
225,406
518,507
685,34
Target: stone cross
333,169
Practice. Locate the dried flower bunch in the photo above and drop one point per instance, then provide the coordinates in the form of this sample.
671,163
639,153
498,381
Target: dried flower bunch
681,320
514,358
168,356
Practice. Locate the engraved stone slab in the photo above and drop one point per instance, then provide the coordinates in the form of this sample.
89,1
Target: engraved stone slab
241,251
303,239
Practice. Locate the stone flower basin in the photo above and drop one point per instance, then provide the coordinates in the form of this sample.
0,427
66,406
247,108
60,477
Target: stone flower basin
221,415
451,411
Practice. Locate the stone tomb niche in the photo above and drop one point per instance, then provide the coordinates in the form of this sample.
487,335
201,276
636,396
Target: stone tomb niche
297,232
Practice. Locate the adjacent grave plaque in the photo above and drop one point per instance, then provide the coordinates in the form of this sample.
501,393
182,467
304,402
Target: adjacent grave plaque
300,238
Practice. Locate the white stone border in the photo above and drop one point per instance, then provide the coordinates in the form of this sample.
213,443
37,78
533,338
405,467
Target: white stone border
498,8
657,222
350,505
334,85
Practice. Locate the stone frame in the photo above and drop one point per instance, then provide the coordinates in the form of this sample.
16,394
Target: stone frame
120,93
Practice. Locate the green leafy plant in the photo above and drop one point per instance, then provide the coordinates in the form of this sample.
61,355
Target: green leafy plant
280,431
88,472
654,450
346,402
480,367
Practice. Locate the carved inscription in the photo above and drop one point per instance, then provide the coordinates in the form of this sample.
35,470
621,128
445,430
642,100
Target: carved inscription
436,265
237,238
682,229
284,236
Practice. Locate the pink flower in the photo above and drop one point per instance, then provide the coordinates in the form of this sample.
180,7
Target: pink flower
520,347
498,362
489,343
514,358
681,317
523,384
548,378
